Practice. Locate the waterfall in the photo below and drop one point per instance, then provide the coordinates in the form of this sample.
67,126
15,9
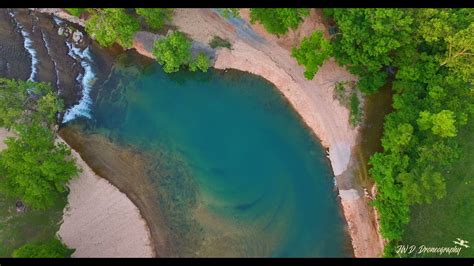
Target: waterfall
48,49
87,81
57,20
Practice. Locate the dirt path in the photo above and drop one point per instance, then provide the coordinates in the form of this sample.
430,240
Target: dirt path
3,135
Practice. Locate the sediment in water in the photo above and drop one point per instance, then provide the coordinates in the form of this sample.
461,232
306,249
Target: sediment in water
120,166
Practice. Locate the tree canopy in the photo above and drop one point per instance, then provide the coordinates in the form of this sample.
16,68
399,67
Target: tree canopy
174,51
367,38
429,54
312,53
278,20
110,25
32,167
201,62
23,101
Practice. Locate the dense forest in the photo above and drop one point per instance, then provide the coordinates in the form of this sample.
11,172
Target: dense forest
433,98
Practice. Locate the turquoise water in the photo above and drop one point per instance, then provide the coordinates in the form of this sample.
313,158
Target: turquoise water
256,182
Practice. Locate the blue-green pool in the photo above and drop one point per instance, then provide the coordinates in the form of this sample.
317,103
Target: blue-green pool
256,181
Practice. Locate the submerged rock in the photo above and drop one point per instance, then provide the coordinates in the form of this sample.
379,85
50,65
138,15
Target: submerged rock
77,36
63,31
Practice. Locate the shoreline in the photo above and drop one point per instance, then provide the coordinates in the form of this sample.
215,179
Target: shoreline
115,217
270,58
99,217
313,100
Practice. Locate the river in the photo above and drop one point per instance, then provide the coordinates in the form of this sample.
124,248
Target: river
226,166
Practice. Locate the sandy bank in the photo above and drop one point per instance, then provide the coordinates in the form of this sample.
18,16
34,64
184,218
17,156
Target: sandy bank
314,100
99,220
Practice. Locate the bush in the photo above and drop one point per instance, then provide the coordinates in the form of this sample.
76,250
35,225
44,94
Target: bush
50,249
201,62
173,51
312,53
110,25
219,42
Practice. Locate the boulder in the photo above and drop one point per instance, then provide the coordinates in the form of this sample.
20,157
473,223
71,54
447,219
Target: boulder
77,36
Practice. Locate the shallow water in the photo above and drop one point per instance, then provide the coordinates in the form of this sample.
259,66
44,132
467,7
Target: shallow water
236,172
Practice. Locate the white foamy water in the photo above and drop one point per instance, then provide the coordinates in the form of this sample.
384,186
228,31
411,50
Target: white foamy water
28,44
57,20
48,49
87,81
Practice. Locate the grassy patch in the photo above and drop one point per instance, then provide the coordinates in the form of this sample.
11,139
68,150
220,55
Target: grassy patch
346,94
440,223
17,229
356,112
77,12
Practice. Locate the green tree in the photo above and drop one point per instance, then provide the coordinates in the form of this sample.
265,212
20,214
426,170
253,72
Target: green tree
50,249
312,53
367,39
424,121
110,25
443,124
156,17
460,53
278,20
398,138
22,101
173,51
34,168
201,62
